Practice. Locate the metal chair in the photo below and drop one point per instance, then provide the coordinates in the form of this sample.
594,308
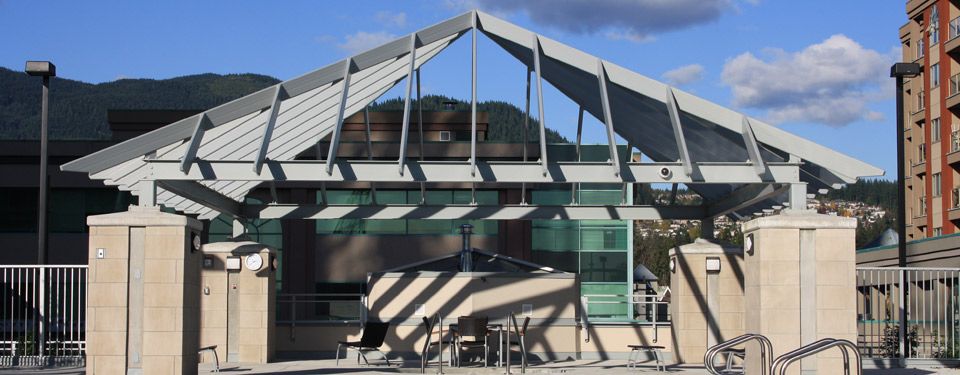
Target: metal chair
429,325
370,341
521,332
468,326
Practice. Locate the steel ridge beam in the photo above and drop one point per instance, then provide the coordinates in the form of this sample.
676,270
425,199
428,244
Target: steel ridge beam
744,197
203,195
449,212
487,172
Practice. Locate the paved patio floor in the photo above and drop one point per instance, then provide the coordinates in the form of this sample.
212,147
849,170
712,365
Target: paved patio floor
320,367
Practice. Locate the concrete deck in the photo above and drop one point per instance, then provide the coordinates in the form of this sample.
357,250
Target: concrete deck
348,367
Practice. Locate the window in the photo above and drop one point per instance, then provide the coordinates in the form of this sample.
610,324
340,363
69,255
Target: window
954,27
921,48
937,232
444,136
921,153
934,25
934,75
935,130
920,102
936,185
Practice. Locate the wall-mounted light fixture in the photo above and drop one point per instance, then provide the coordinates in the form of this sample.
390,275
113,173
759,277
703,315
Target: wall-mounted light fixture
748,244
713,264
673,265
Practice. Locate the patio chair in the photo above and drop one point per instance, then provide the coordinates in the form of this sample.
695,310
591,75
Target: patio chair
429,324
475,327
520,341
370,341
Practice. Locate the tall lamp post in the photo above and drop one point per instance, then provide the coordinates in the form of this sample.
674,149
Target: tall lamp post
899,71
46,70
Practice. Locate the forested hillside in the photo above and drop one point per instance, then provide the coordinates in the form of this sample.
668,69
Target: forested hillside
78,110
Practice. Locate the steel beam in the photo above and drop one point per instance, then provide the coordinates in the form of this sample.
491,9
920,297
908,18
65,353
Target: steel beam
279,95
753,148
366,124
674,111
458,171
419,115
338,128
542,122
203,195
526,117
608,119
744,197
473,98
190,155
472,212
405,130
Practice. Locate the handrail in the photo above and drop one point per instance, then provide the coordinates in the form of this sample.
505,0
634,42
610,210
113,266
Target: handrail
766,351
785,360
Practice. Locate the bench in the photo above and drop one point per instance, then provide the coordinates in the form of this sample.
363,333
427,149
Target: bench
216,360
657,351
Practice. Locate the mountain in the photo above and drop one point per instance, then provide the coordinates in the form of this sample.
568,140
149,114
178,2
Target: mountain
78,110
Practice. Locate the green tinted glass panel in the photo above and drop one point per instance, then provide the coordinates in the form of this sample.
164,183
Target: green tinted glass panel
383,226
603,238
18,210
600,197
606,266
606,308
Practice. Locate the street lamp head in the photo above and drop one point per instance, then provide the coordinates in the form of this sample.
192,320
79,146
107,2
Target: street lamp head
905,70
41,69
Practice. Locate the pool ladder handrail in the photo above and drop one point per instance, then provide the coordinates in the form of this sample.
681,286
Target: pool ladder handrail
766,351
785,360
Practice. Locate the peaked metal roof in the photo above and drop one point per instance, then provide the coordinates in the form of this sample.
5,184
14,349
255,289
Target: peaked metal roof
282,121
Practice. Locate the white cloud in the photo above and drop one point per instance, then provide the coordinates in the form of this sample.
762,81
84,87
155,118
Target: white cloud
362,41
831,82
633,20
391,19
684,75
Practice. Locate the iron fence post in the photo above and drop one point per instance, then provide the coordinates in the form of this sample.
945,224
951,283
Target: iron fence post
903,318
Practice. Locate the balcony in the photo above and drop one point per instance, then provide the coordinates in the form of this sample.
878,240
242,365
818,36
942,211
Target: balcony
953,155
953,97
952,45
954,212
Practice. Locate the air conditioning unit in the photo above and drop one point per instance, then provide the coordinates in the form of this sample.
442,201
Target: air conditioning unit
444,136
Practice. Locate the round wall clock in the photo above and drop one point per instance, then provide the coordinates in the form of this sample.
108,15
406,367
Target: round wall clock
254,262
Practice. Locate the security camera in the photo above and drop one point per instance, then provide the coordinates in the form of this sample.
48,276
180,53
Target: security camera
665,173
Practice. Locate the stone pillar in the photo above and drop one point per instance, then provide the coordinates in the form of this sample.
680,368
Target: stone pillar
800,285
706,296
238,301
142,304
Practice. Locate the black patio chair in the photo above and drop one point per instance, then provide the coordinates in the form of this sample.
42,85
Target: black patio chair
520,341
370,341
474,327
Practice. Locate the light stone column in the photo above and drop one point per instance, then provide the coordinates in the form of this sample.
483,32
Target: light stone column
238,306
707,306
142,306
800,285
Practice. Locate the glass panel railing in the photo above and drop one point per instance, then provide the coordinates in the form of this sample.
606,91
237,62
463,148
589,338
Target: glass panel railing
954,27
955,141
954,84
955,198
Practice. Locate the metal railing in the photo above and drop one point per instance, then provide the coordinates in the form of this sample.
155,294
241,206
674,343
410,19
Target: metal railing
920,321
317,308
766,352
846,348
42,315
647,308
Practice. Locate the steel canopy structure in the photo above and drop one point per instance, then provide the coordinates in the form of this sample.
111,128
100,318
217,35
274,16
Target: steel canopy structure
208,163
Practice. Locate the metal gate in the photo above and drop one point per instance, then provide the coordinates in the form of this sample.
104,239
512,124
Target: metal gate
42,315
928,305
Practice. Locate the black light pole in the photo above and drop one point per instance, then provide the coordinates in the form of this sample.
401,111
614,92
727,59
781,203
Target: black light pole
46,70
899,71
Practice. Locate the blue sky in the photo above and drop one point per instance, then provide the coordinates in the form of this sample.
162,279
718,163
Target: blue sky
815,68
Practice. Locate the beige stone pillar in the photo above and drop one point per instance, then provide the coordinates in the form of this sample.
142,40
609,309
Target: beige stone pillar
706,303
238,301
142,305
800,285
